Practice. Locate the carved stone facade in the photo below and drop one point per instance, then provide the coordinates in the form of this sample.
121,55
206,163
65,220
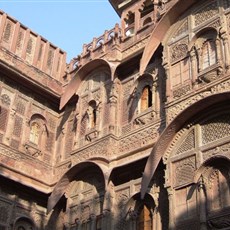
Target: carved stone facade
133,134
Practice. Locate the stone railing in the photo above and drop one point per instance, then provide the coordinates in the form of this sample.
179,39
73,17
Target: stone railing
31,48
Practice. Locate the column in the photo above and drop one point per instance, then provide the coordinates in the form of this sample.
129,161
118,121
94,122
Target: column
168,82
171,209
10,127
93,221
193,66
224,36
113,107
203,214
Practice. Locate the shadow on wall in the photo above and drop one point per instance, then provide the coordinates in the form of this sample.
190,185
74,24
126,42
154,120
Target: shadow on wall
20,206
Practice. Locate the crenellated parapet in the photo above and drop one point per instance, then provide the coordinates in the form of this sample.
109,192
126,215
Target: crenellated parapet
38,55
131,36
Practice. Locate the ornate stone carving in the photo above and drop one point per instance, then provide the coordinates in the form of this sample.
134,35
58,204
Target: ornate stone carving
135,47
5,99
183,29
137,140
105,148
177,108
144,119
179,50
205,13
220,222
32,150
184,171
187,144
181,91
215,129
223,150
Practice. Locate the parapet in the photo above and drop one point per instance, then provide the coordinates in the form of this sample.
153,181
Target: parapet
31,48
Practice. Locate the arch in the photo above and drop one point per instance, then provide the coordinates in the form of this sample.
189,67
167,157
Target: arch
139,211
69,176
215,160
137,197
160,30
36,116
78,76
169,133
200,33
24,220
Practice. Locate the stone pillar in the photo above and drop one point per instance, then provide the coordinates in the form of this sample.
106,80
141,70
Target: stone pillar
93,221
193,66
106,219
168,82
203,213
113,107
218,56
10,127
224,36
171,209
133,220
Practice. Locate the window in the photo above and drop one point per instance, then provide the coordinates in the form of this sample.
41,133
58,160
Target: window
35,133
92,114
208,54
218,192
146,98
144,220
148,8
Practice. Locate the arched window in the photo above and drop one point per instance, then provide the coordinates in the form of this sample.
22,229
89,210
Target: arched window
38,130
92,114
218,190
35,130
24,223
144,220
208,54
148,8
146,98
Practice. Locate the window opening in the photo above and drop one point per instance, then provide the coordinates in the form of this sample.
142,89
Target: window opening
146,98
144,220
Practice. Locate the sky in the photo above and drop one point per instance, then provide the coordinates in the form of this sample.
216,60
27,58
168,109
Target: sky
67,24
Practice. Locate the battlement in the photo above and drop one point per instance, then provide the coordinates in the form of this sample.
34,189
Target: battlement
31,48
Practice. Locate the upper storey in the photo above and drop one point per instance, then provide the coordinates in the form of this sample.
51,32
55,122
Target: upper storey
138,19
37,59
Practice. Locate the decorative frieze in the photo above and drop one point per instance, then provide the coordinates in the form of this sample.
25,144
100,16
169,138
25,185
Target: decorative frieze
105,149
215,129
223,150
179,50
206,12
139,139
184,171
181,91
183,29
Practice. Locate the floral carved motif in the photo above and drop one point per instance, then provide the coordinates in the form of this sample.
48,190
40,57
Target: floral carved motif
223,150
105,148
206,13
176,109
179,50
137,140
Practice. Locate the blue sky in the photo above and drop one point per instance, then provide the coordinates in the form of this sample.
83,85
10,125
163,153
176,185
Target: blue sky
67,24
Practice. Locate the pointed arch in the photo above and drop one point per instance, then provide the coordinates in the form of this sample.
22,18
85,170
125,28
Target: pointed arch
78,76
160,30
169,133
69,176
